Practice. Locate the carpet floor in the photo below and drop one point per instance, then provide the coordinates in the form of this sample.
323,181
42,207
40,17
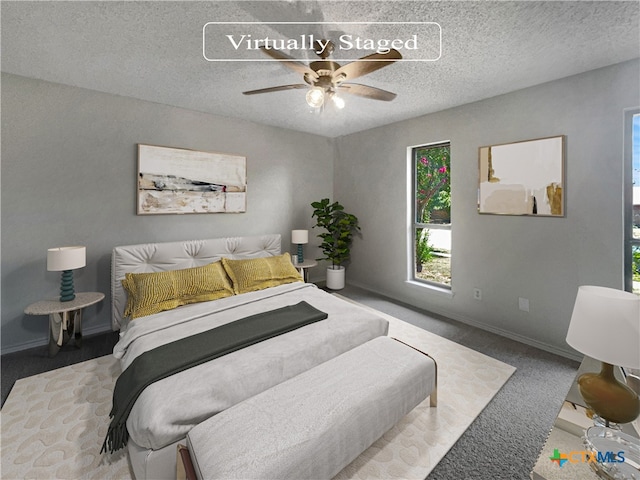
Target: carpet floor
502,443
53,423
505,440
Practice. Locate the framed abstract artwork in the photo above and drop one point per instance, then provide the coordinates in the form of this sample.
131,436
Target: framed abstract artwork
523,178
179,181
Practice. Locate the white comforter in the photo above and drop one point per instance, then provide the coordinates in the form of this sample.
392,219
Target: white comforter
169,408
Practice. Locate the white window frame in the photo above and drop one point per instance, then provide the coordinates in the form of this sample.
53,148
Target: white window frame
627,213
412,225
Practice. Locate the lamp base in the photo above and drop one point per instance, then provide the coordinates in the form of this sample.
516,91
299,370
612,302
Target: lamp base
614,454
610,399
66,286
300,254
598,421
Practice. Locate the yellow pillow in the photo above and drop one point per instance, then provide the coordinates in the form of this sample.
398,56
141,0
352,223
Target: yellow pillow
130,288
254,274
155,292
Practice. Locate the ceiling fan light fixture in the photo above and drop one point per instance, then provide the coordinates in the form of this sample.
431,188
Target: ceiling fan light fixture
315,97
322,78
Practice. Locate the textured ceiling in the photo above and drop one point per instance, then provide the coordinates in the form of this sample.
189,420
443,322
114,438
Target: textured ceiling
153,50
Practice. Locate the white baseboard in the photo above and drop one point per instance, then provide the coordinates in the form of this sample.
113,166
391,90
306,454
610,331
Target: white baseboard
489,328
41,342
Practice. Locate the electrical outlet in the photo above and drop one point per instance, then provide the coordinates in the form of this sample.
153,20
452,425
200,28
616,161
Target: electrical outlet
477,294
523,304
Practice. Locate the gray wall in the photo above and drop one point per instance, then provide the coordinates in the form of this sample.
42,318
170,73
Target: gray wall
69,168
542,259
69,165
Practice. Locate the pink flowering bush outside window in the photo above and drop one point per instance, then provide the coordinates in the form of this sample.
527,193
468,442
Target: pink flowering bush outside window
432,222
432,181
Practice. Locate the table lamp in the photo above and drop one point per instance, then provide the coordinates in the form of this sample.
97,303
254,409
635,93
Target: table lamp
300,237
66,259
605,325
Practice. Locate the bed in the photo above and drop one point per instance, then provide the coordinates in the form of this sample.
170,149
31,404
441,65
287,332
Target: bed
168,409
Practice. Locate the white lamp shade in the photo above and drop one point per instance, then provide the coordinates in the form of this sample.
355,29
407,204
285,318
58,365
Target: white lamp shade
300,236
66,258
605,325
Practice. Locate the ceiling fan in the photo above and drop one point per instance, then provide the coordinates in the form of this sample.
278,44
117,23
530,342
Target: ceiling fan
325,78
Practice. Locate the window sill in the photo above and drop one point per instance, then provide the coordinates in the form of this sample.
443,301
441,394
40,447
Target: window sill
433,288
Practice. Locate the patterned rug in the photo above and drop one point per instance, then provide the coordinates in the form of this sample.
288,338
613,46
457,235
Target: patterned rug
53,424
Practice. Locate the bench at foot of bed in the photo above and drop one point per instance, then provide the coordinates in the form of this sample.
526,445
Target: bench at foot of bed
315,424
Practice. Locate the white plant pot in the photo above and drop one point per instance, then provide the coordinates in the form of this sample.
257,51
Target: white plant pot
335,277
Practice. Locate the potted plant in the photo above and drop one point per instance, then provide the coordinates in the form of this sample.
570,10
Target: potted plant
336,241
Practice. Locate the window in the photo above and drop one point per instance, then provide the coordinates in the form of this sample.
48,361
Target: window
632,201
430,259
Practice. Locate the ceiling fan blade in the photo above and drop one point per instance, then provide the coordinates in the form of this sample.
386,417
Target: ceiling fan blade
290,62
368,64
366,91
276,89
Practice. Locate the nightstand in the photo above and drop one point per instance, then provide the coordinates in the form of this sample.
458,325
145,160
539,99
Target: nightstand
65,318
566,438
304,266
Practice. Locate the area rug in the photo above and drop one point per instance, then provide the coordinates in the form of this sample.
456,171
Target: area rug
53,424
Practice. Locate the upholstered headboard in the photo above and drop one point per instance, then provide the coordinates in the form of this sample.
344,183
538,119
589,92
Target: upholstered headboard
157,257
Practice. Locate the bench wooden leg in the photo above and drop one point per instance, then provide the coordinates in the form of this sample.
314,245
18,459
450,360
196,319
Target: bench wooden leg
433,396
184,465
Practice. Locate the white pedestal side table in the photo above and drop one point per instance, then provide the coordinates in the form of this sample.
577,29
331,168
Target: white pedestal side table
65,318
304,267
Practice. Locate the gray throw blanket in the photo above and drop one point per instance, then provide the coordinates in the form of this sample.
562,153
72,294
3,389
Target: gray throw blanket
174,357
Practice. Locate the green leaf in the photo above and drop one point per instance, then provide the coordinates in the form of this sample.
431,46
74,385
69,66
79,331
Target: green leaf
340,227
